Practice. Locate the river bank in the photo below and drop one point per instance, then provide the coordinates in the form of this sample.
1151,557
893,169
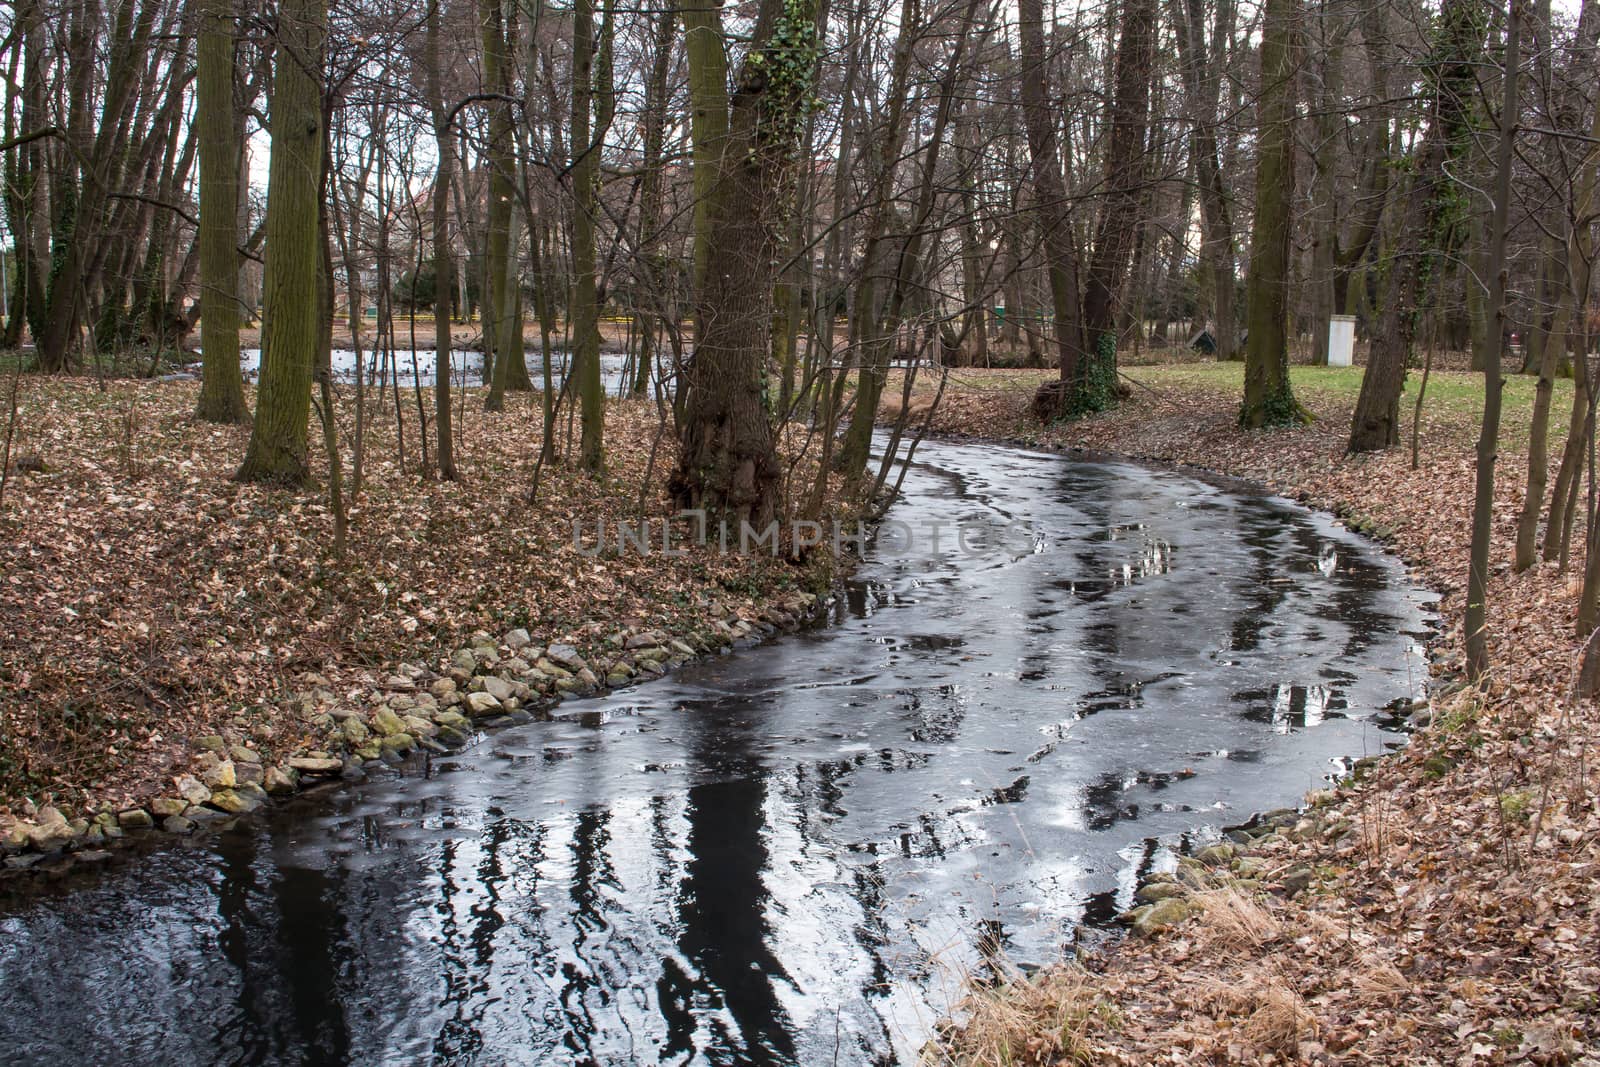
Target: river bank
1441,909
180,647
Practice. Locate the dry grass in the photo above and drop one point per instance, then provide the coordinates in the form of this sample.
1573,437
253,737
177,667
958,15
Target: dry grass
1040,1019
1280,1020
1267,1014
1377,981
1235,921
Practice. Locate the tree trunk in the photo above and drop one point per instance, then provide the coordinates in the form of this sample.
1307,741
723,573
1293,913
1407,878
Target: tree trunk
652,278
25,214
1096,385
1375,169
1324,220
277,450
728,464
1488,439
1428,232
444,270
504,333
221,383
80,245
1572,293
1202,74
1050,204
1268,399
585,173
708,118
871,339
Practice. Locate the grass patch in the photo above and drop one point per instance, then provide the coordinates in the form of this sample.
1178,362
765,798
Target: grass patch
1454,400
1042,1019
1517,806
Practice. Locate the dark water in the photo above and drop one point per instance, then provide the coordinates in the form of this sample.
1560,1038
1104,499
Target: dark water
791,854
466,368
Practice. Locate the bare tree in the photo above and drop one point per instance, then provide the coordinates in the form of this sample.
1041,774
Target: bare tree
728,464
1431,226
293,309
1477,638
222,386
1268,399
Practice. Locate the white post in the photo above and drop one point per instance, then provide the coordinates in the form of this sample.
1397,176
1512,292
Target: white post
5,290
1341,340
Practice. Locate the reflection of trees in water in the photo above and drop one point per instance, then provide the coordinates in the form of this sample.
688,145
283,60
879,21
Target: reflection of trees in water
1260,529
284,933
248,1029
1080,591
723,929
586,979
1285,547
1286,708
467,947
1360,585
1105,800
934,714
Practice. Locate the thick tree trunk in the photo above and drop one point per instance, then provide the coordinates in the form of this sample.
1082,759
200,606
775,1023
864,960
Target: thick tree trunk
1268,400
1050,203
708,118
728,464
1427,233
277,450
221,383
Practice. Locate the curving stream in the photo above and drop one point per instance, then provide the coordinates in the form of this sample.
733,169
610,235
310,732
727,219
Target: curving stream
790,854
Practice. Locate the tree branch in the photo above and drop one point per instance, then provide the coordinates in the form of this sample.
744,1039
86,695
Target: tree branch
25,138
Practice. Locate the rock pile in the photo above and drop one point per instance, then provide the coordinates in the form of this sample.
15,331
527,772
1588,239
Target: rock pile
487,683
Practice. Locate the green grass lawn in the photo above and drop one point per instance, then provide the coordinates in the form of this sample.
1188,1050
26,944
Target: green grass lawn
1453,397
1453,402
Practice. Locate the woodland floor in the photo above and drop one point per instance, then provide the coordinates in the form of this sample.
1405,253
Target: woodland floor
1456,922
150,601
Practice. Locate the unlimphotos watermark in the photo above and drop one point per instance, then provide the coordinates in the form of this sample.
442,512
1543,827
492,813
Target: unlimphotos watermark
693,527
